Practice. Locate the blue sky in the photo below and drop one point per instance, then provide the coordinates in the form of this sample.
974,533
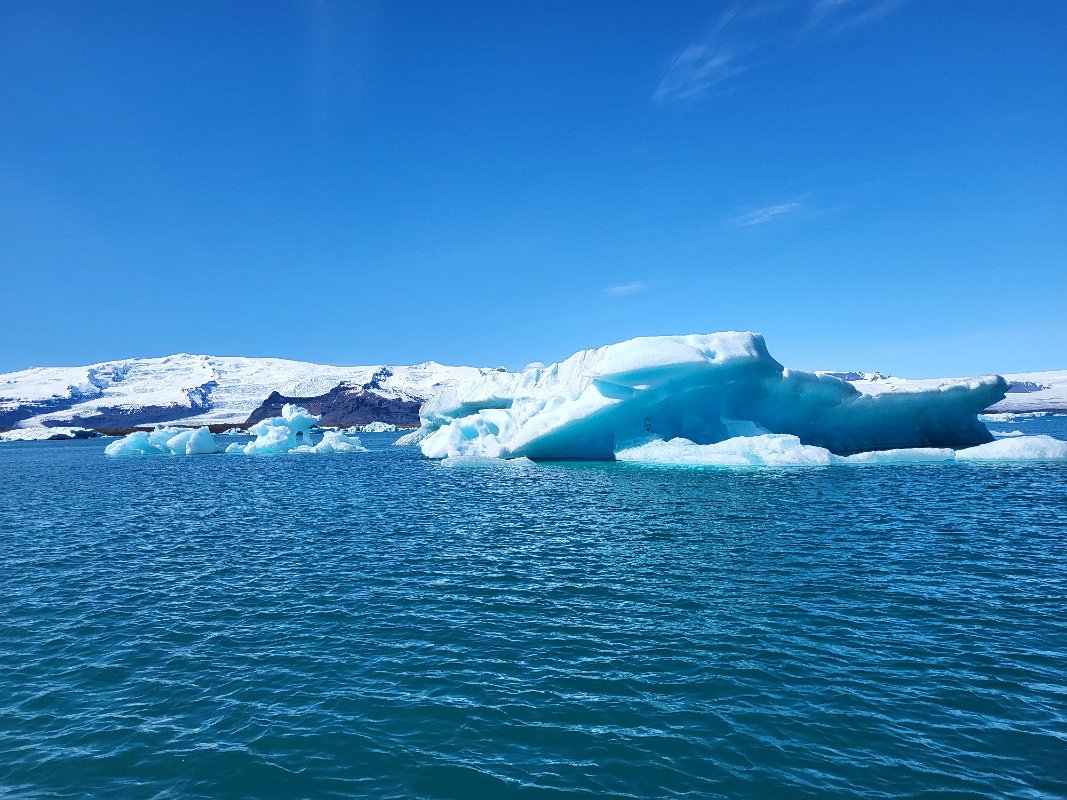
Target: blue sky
873,184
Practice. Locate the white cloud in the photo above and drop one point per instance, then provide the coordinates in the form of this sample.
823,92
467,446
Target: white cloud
766,214
838,16
623,289
695,70
746,34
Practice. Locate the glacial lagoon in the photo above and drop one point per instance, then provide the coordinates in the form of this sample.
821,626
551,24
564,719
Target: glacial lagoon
381,624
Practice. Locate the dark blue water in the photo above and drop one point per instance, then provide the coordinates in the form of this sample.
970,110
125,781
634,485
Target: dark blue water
377,625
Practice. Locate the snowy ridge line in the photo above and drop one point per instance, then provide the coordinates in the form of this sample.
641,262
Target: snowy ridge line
1027,391
196,389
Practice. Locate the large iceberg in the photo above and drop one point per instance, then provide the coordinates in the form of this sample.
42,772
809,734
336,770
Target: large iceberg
705,389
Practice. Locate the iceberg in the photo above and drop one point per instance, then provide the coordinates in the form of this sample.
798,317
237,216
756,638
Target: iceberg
704,389
771,450
291,433
378,427
333,442
784,450
1017,448
165,441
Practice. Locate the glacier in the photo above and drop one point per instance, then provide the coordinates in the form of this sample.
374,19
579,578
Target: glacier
41,434
197,390
705,389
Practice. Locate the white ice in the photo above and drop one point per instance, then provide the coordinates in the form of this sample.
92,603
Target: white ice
39,433
781,450
378,427
165,441
209,389
1018,448
333,442
705,389
291,433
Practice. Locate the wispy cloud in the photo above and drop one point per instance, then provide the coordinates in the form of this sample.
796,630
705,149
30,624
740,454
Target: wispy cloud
623,289
696,70
715,58
744,35
838,16
761,216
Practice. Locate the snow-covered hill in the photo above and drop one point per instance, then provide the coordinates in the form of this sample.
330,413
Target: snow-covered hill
1027,391
197,389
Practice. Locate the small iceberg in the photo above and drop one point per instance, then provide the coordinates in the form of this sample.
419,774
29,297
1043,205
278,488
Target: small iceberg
784,450
1017,448
378,427
165,441
291,433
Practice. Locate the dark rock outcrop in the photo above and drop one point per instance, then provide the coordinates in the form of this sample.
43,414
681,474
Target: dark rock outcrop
123,417
10,417
345,404
1026,387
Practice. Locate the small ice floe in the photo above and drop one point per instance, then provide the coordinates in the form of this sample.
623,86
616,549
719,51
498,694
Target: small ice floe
378,427
482,461
783,450
1018,448
1015,416
165,441
289,433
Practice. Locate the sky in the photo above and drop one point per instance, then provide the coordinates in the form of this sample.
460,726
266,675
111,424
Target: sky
872,184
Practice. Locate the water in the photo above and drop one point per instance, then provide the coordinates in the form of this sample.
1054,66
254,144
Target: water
377,625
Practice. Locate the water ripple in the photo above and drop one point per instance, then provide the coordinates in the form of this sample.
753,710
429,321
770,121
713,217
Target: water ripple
381,626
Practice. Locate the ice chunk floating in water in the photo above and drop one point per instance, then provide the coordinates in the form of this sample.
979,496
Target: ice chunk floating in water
165,441
783,450
1018,448
291,433
378,427
705,389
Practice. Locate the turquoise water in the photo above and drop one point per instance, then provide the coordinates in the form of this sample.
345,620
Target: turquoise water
378,625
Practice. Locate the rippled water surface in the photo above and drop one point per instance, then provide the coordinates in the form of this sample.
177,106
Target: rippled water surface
378,625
